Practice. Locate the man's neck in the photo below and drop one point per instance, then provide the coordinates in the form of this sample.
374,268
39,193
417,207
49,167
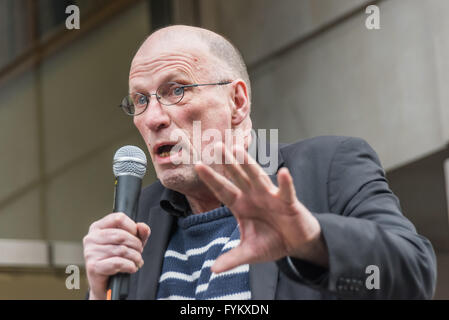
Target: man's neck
203,202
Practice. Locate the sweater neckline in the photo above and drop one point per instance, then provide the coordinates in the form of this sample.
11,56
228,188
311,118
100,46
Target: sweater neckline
204,217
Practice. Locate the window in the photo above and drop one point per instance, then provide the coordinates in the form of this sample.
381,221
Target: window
24,21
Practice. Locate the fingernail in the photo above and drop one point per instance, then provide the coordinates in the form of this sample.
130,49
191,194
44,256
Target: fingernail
140,264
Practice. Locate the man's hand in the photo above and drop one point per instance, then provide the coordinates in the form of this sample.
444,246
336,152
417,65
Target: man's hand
272,222
113,244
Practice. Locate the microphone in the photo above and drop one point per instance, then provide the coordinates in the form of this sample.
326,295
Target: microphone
129,167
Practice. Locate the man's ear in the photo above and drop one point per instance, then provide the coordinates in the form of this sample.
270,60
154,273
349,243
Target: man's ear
240,102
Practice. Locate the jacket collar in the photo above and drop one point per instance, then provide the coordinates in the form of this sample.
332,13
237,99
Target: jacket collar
175,203
161,225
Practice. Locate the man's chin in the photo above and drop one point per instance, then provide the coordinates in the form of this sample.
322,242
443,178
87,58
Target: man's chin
179,178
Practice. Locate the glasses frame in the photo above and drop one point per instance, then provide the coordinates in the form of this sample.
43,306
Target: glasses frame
182,86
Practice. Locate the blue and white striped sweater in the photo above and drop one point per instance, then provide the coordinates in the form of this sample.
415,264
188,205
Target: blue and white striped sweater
196,244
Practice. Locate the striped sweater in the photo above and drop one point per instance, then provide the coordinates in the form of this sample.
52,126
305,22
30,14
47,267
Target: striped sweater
194,247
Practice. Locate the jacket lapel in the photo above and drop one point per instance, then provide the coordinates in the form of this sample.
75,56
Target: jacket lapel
263,279
160,224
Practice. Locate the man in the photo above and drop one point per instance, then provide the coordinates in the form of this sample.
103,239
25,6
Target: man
317,229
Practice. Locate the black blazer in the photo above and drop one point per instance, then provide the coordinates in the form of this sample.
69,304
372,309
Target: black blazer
341,181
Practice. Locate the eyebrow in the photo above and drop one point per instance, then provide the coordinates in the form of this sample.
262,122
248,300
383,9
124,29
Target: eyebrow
180,75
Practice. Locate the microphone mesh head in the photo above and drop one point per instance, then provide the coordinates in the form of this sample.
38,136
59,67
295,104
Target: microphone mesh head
129,160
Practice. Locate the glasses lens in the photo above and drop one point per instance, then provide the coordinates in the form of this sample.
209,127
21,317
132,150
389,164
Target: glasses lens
127,106
170,93
138,102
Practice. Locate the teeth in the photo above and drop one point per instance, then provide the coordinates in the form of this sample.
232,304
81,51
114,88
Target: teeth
164,154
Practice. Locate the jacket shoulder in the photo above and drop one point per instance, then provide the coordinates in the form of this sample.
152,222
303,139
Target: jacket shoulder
321,147
318,154
320,142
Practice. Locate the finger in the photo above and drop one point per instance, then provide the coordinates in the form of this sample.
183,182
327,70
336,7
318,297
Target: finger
115,220
143,232
232,259
287,190
233,169
115,237
253,170
114,265
223,189
101,252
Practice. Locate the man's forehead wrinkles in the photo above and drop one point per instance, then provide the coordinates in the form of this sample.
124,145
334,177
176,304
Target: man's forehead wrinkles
188,65
161,58
154,65
153,69
164,72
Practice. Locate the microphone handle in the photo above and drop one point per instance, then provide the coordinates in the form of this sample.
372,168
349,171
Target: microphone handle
126,200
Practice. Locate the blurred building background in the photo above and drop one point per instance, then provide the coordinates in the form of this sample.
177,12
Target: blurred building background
315,69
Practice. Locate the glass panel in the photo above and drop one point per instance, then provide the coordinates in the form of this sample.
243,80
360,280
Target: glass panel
17,18
52,14
15,29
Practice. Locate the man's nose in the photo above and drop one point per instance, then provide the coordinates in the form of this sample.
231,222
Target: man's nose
155,116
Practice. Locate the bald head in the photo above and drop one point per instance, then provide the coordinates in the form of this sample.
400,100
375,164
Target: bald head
231,63
182,55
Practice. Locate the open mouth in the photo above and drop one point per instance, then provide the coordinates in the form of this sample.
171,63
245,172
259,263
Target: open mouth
163,151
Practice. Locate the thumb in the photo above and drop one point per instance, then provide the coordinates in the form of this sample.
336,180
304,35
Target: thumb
143,232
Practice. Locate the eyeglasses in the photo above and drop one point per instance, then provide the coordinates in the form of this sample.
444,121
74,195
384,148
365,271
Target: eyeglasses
168,94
